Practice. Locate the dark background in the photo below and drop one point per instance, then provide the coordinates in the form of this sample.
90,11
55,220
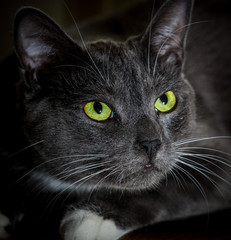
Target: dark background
57,9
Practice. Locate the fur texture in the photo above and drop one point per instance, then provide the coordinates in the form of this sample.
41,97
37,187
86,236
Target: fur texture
139,167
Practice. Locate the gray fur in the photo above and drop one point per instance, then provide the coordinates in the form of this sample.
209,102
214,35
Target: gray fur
103,167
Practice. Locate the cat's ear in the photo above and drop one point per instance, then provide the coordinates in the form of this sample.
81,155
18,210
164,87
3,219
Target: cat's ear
165,36
39,42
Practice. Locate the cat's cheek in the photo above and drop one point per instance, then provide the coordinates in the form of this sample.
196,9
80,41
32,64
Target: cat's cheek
86,225
177,123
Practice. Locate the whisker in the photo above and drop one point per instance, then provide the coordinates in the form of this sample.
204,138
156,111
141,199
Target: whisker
70,186
208,158
83,42
177,179
194,181
108,61
192,140
206,148
149,38
217,159
90,156
120,176
202,168
103,179
85,160
80,169
81,181
24,149
116,170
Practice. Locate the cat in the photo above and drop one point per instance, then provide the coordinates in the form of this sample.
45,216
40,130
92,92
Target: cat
100,138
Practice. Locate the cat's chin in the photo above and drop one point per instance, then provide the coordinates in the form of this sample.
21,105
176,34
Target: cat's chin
147,179
143,179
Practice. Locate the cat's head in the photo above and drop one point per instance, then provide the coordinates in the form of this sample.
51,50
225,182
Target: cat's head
107,113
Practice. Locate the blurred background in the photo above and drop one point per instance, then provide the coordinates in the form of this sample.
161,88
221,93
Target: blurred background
57,9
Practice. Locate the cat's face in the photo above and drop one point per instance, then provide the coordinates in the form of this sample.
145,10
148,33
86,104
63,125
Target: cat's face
108,114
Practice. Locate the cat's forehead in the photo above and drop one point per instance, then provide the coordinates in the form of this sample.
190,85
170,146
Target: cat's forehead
120,69
115,56
123,69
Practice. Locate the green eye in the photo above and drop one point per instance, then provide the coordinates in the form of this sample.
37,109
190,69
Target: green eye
98,111
166,102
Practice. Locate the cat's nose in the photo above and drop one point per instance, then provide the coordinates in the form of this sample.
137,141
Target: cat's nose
150,147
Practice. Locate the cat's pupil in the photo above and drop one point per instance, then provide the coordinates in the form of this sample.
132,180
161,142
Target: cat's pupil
98,107
164,99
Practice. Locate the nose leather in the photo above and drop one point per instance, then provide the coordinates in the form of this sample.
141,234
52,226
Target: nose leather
150,147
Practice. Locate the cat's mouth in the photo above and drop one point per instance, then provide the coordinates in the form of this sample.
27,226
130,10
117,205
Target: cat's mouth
130,170
142,179
139,174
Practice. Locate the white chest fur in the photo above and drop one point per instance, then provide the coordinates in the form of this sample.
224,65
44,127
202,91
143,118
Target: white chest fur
4,221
